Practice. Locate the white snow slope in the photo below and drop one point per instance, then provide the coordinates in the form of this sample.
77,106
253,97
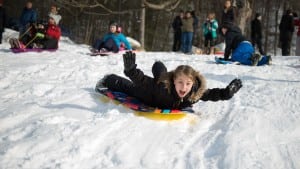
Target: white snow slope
50,117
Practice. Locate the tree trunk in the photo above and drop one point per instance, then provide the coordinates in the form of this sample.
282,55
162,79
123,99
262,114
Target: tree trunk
267,14
142,25
243,14
276,26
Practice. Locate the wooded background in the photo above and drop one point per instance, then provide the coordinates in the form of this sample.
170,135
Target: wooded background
149,21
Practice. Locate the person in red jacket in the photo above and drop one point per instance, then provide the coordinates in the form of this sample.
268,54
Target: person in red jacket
48,36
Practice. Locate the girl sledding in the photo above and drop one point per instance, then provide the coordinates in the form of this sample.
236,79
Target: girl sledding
176,89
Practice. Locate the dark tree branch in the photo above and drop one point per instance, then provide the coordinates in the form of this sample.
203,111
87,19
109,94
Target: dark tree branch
168,6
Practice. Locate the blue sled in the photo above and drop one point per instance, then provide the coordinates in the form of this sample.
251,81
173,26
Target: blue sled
222,61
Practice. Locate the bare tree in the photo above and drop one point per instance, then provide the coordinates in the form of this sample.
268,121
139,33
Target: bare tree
168,5
243,14
142,25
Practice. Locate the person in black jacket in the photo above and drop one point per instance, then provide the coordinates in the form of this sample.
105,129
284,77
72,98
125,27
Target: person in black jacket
173,90
2,20
176,25
228,13
286,28
242,50
256,32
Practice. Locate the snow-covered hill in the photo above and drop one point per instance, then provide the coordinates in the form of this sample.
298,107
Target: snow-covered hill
50,118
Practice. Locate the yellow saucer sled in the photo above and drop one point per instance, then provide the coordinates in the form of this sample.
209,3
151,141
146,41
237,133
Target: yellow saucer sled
141,109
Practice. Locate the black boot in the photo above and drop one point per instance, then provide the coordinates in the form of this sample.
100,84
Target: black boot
255,58
101,84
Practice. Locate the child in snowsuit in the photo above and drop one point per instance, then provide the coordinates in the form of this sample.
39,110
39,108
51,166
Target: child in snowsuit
241,49
173,90
112,41
210,28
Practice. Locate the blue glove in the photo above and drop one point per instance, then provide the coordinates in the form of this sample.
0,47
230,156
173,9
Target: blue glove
40,35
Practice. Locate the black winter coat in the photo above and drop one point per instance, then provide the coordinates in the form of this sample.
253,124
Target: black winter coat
228,17
2,19
233,38
256,31
286,28
160,95
177,23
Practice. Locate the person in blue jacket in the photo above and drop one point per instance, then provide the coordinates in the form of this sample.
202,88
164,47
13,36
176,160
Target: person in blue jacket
112,41
239,48
28,16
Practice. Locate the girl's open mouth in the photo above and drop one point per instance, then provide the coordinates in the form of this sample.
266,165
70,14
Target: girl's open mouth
181,93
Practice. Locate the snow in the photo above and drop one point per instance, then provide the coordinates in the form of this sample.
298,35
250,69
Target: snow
51,118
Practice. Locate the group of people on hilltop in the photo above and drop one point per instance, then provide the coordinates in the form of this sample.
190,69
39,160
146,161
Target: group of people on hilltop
184,26
287,25
236,44
35,34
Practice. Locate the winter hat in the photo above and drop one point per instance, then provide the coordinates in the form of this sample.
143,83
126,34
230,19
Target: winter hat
55,17
119,29
113,24
257,15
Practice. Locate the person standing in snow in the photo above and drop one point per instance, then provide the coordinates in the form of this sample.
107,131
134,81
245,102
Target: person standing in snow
28,17
209,28
187,33
287,29
241,49
176,25
297,23
2,20
227,13
111,41
256,33
54,11
176,89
